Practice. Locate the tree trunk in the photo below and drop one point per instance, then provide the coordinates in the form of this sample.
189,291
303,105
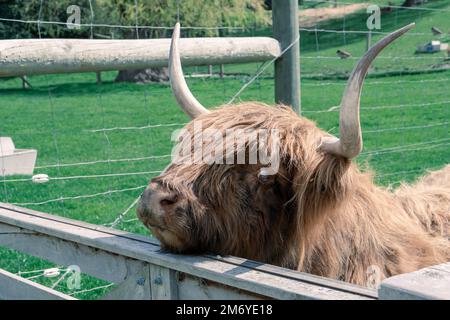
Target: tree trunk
143,75
410,3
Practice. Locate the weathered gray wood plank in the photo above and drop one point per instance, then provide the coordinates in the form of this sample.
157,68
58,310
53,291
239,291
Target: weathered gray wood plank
301,276
194,288
136,287
114,268
246,278
432,283
13,287
163,283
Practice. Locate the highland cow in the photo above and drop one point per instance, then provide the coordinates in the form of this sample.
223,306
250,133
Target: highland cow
319,213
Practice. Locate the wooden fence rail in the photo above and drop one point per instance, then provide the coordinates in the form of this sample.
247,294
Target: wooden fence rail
45,56
15,287
140,269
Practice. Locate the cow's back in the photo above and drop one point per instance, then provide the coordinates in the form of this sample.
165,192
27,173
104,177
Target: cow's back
428,200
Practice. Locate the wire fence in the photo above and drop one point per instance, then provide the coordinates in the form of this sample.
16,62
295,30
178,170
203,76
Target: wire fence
99,157
92,25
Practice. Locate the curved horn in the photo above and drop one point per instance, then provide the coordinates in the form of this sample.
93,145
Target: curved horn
350,143
184,97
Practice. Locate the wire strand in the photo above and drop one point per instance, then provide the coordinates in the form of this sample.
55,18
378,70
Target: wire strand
85,196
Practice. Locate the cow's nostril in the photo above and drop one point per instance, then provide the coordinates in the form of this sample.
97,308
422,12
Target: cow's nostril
169,201
147,193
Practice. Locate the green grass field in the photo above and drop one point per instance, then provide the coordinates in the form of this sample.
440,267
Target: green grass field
404,119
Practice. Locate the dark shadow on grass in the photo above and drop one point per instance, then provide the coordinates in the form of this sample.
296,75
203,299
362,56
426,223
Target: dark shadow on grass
80,88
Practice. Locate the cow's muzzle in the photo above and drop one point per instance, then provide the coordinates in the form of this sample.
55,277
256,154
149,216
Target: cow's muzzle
156,202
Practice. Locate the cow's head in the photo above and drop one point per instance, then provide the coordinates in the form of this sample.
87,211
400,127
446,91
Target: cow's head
251,209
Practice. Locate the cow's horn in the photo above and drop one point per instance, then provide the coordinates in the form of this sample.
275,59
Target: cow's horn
184,97
350,143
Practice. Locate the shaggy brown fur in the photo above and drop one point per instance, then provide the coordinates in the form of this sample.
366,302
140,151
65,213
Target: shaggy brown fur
319,214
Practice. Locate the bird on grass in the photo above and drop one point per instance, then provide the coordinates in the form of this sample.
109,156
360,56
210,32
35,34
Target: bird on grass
343,54
436,31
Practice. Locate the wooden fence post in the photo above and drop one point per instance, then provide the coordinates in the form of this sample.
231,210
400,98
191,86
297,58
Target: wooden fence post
287,68
98,76
163,283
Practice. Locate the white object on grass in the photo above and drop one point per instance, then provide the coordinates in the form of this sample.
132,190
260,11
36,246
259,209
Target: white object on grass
432,46
40,178
15,161
52,272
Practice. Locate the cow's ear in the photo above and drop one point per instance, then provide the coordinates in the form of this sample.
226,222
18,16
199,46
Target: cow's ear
322,184
328,176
